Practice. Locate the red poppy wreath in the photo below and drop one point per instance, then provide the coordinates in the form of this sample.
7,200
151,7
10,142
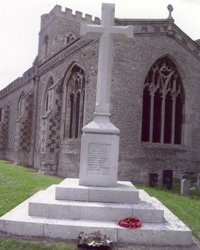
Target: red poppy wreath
130,222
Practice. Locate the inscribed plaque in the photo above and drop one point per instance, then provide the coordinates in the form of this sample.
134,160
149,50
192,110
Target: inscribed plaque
98,159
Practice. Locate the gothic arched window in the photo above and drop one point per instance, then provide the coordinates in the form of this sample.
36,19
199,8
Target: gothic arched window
48,99
163,103
75,102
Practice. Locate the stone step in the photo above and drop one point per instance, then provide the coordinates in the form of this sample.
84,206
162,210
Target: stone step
124,192
171,232
45,205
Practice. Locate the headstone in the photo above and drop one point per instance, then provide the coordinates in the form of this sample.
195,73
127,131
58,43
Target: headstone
100,139
198,182
168,178
185,186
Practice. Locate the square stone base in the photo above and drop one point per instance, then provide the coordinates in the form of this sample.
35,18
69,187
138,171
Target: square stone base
99,160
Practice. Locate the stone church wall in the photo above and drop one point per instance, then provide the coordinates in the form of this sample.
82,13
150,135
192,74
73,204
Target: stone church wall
68,156
5,112
131,65
10,97
64,49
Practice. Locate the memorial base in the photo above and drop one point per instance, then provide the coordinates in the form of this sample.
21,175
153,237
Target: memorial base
99,160
45,215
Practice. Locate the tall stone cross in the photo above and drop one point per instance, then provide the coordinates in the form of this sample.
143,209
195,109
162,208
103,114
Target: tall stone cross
100,139
105,32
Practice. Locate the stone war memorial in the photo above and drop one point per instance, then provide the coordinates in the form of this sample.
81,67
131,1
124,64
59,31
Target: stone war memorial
97,200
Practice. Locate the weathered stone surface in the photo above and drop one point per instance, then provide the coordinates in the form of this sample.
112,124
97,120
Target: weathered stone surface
69,189
45,222
185,186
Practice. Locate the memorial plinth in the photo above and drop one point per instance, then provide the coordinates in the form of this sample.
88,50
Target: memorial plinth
63,211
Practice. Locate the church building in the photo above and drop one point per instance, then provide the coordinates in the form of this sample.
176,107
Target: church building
155,98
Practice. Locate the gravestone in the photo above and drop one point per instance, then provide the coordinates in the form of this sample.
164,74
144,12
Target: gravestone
100,139
168,179
185,186
198,182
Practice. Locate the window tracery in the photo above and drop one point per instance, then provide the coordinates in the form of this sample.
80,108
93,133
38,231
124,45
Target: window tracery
75,102
163,100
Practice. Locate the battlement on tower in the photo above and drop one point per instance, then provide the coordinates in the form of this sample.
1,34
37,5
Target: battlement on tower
60,28
67,14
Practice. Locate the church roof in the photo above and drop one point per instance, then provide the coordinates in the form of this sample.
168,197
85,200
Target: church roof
160,27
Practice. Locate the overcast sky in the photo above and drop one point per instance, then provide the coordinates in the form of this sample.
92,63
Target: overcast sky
20,24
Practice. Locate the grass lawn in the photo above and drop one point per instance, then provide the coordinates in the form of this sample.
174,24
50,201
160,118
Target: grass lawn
16,185
19,183
13,244
186,208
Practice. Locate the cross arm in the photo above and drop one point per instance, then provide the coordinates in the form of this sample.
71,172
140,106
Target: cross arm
123,32
90,31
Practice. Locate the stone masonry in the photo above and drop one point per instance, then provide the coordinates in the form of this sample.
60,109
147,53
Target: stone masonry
36,119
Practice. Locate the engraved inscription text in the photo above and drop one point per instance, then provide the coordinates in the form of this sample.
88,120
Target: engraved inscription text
98,159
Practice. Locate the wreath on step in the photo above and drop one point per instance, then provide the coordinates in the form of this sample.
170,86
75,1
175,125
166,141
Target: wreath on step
130,222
